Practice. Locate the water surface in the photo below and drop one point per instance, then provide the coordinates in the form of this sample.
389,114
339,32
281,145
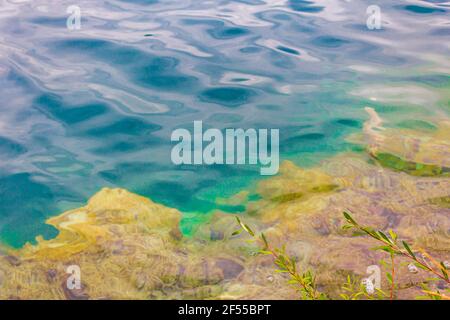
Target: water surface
84,109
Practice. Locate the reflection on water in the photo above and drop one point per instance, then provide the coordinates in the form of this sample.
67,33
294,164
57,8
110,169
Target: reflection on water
83,109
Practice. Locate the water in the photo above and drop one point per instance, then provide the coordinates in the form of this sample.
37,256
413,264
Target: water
95,107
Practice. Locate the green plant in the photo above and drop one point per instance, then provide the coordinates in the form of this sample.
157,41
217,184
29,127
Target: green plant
354,289
304,282
420,259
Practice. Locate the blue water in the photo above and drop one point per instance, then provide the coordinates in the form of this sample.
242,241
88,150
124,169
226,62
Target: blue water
95,107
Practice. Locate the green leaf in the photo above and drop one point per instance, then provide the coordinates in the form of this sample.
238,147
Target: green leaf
344,296
444,270
384,248
245,227
235,233
371,233
419,265
281,271
384,236
358,233
263,237
393,235
358,295
389,277
432,279
249,230
349,218
408,249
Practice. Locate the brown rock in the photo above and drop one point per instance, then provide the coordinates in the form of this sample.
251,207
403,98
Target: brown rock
51,275
74,294
230,268
14,261
321,226
216,235
141,281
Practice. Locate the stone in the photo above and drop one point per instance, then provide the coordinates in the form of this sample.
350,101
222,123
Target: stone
230,268
51,275
74,294
216,235
14,261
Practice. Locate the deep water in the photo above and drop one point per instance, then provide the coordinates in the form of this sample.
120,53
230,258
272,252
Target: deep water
83,109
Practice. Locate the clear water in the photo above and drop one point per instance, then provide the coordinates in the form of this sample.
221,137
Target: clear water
95,107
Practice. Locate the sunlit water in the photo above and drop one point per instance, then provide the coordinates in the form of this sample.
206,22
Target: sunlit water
84,109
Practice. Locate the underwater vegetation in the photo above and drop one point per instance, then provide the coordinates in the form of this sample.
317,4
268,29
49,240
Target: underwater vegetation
305,282
128,247
87,184
413,168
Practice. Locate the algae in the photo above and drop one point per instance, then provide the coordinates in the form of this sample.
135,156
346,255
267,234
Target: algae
391,161
129,247
443,202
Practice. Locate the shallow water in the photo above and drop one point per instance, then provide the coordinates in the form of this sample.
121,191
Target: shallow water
84,109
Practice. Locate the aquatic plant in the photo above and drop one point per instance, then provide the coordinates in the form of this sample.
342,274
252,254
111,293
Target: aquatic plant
304,281
419,258
355,289
396,163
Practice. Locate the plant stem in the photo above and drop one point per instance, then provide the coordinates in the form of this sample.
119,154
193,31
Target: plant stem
393,277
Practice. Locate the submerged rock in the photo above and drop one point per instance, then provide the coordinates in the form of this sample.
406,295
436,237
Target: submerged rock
419,153
230,268
14,261
51,275
128,247
74,294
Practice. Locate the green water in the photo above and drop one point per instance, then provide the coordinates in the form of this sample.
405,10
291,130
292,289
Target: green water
96,107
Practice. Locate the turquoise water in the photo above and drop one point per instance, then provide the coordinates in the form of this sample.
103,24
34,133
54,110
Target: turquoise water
95,107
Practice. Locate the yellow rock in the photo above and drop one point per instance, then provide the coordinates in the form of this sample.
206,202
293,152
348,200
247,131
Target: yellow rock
129,247
108,210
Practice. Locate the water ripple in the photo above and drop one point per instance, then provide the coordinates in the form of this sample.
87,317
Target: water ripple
95,107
